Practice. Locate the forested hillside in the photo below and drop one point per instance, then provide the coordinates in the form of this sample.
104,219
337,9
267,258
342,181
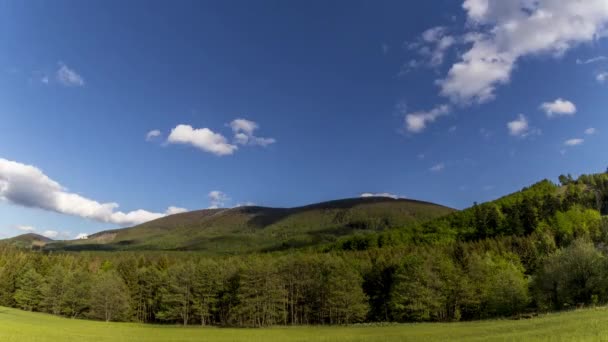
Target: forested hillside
259,229
562,210
539,249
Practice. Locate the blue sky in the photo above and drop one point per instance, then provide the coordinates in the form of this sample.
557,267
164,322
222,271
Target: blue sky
287,103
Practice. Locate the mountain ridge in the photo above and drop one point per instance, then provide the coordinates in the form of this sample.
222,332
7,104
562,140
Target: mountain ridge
257,228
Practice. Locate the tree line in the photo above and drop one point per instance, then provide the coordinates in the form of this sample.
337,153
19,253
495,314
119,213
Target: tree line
537,250
497,277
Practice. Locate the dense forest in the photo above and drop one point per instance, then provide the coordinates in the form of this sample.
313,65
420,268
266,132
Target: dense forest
540,249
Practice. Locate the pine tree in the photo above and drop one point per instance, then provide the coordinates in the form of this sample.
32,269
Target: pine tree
54,289
29,295
261,294
206,287
75,298
178,297
8,283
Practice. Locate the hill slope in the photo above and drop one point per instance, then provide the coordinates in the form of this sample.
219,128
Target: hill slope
252,228
28,240
566,211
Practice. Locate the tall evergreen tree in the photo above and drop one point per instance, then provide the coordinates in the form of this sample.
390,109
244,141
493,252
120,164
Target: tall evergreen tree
28,295
54,289
178,300
75,298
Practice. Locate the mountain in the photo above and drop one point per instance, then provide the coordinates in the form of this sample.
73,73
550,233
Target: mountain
253,228
29,240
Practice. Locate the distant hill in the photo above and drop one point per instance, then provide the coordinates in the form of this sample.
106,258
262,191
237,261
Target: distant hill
29,240
254,228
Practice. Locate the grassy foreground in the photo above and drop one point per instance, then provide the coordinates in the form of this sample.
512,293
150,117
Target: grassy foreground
581,325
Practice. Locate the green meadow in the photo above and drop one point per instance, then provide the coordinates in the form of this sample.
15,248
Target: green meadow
580,325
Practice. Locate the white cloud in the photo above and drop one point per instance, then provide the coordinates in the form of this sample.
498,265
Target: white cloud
439,42
432,47
501,32
28,186
590,131
26,228
155,133
379,194
433,34
574,142
244,204
243,133
68,77
217,199
51,234
519,127
175,210
591,60
601,77
437,167
559,107
65,234
417,121
243,125
202,138
82,236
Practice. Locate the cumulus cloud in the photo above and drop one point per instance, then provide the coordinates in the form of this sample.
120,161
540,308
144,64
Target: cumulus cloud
202,138
68,77
519,127
28,229
417,121
574,142
590,131
602,76
243,133
175,210
591,60
437,167
245,204
431,47
379,194
559,107
51,234
155,133
502,32
217,199
28,186
82,236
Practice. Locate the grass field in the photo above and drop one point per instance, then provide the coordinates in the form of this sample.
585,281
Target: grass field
582,325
